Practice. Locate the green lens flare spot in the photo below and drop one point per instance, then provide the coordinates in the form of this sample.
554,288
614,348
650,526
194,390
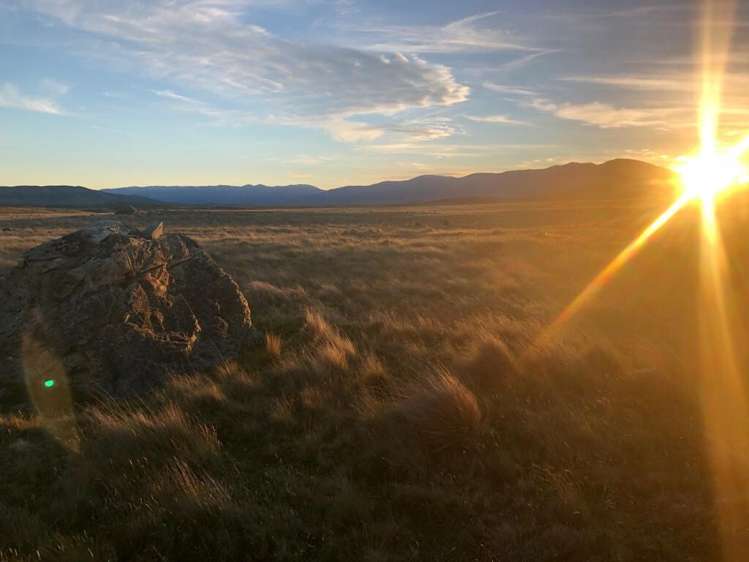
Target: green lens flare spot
49,383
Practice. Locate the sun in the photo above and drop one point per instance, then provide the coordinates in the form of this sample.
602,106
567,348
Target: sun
711,172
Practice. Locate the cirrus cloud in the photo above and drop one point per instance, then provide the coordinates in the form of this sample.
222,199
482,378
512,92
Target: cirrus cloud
607,116
496,120
12,98
209,44
472,34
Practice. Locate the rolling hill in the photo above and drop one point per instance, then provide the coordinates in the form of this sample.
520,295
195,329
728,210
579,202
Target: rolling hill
615,179
66,196
227,195
611,180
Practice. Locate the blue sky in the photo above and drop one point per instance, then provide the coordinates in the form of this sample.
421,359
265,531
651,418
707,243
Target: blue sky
112,93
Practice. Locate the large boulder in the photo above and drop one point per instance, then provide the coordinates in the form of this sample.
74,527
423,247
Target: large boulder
121,309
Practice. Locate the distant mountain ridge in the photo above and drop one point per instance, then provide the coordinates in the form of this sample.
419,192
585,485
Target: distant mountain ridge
615,179
227,195
71,197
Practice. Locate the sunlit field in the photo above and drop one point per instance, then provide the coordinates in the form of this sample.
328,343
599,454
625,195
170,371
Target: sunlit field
402,404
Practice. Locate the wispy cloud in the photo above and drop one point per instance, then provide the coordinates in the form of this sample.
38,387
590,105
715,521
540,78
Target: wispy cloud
446,150
208,44
170,95
217,115
662,13
342,129
424,130
496,120
526,60
636,82
395,129
646,11
12,98
308,160
476,33
607,116
55,88
509,90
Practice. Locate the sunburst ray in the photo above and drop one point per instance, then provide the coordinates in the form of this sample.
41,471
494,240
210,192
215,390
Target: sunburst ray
706,176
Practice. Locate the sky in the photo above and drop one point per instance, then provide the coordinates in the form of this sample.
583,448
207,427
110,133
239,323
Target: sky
107,93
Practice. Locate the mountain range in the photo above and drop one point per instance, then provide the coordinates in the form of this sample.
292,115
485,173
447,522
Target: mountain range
615,179
69,197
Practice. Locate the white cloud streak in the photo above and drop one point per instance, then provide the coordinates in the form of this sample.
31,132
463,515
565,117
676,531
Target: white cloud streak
12,98
217,115
474,34
636,82
607,116
509,90
415,130
442,151
496,120
308,160
208,44
54,87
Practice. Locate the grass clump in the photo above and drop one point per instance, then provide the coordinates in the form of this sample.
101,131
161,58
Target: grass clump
443,412
273,346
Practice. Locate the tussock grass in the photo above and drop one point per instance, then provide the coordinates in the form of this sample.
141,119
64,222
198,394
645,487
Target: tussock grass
490,366
394,410
273,345
443,412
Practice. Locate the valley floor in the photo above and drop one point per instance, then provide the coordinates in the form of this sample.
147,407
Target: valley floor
399,408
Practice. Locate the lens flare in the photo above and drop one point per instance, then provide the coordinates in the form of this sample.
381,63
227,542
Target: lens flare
712,172
49,389
704,176
608,272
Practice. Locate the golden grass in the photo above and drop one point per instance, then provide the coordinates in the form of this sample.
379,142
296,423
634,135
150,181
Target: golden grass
273,345
392,411
444,413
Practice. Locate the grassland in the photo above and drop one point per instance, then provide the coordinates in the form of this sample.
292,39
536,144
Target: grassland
398,409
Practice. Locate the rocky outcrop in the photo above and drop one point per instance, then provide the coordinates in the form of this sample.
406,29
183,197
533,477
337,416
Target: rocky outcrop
121,309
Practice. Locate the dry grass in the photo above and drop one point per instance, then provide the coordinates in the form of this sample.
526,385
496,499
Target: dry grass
442,411
273,345
396,409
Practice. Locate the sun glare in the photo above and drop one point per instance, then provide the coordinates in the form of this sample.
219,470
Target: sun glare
713,171
710,173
